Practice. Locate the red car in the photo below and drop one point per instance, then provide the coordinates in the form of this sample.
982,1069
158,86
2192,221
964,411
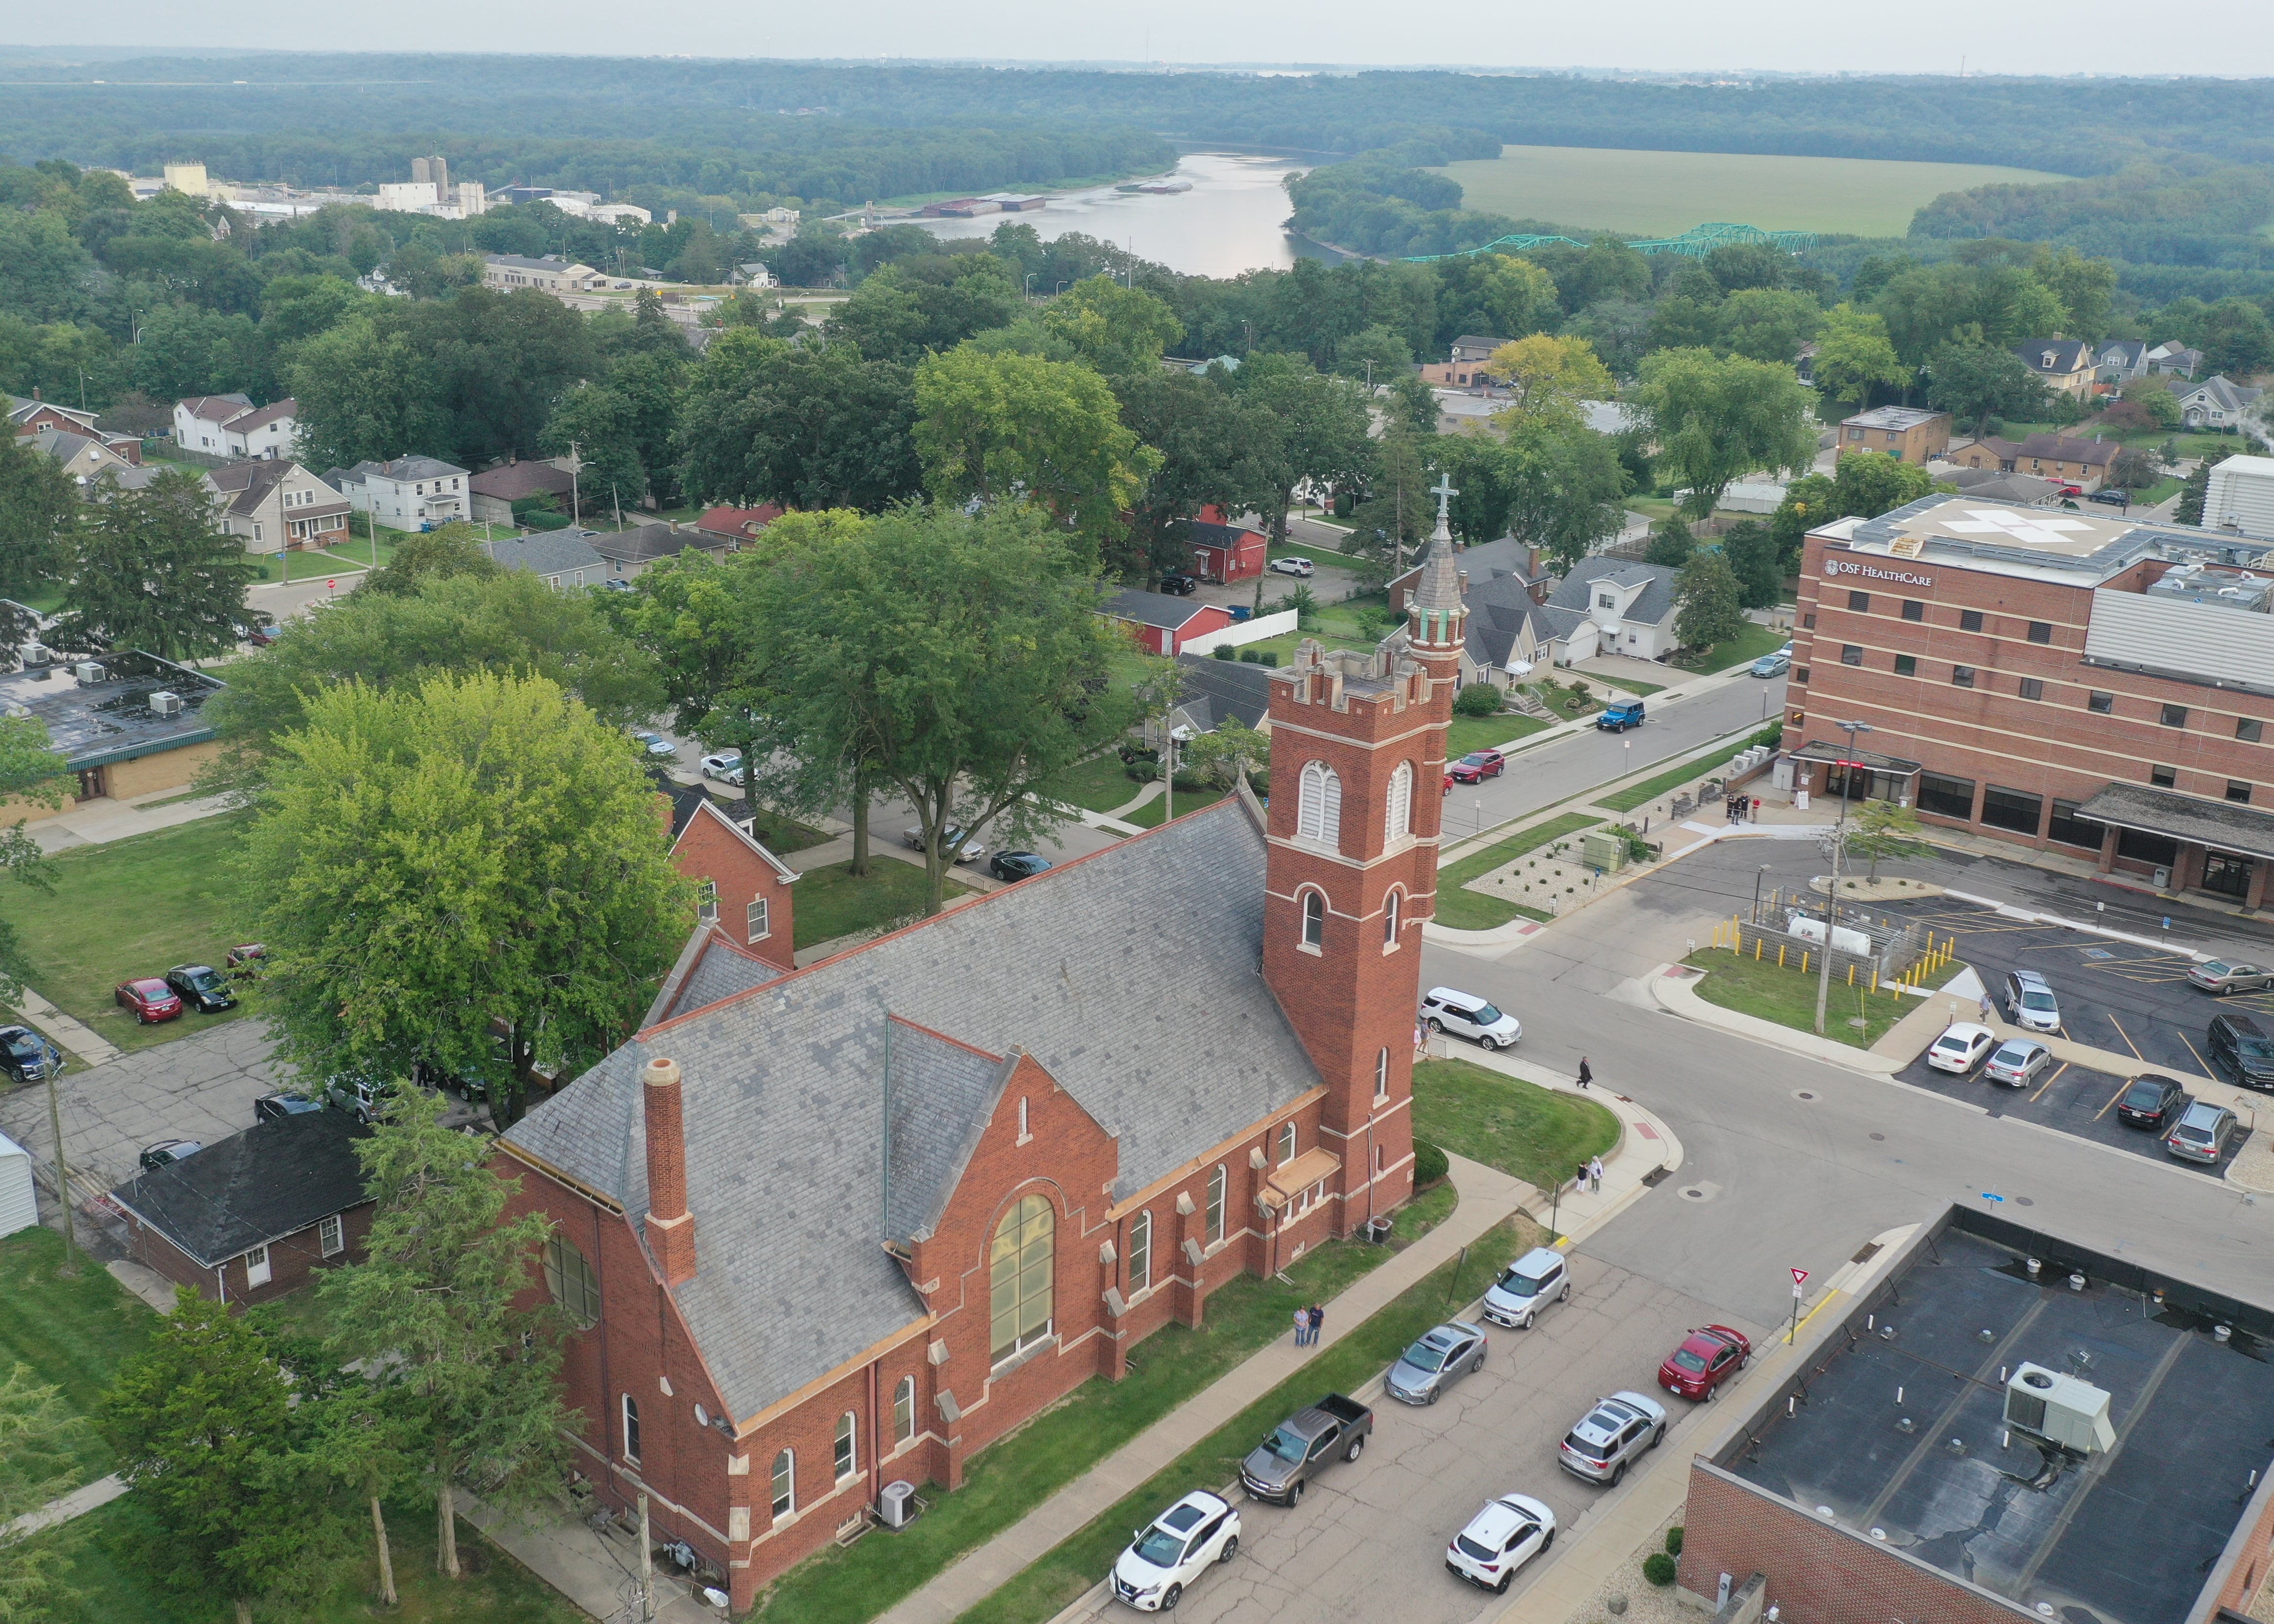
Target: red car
150,999
1449,783
1476,766
1708,1357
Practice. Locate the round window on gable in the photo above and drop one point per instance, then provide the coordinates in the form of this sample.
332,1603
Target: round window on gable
702,1415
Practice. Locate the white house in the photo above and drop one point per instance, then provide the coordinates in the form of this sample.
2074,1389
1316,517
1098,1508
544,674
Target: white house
2216,402
407,493
272,504
230,425
561,559
1628,606
20,1207
547,276
2240,496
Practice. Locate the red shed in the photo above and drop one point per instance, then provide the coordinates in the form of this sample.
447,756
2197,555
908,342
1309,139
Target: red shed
1224,552
1166,624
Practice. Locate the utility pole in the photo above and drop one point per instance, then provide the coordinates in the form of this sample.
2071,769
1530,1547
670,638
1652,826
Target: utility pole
63,1176
575,467
647,1568
1832,907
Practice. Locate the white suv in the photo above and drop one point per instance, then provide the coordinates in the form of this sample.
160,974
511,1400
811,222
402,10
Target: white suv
1466,1015
1527,1286
1507,1533
1198,1532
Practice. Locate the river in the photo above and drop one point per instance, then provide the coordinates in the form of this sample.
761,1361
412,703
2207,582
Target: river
1230,221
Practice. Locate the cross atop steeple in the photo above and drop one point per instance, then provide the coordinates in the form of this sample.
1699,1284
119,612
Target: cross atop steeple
1444,492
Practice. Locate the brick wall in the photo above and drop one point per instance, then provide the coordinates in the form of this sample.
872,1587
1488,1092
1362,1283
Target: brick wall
1817,1573
293,1261
2057,746
709,848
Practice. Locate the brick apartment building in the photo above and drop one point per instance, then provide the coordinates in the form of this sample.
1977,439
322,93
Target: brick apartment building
846,1225
2074,684
1907,433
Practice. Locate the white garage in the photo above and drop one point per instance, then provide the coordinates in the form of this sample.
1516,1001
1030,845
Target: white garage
19,1209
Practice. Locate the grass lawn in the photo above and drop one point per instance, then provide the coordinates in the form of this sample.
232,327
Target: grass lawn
1785,995
1560,699
1461,909
74,1334
1665,193
782,834
1487,733
1098,785
1742,650
107,1557
1154,812
1041,1591
1005,1482
1650,789
134,907
1633,685
831,903
1535,1133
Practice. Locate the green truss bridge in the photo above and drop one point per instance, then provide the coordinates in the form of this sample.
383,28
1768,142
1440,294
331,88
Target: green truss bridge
1697,242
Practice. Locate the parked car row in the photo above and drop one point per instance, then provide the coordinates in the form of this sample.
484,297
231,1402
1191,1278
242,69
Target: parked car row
1201,1531
2193,1129
155,999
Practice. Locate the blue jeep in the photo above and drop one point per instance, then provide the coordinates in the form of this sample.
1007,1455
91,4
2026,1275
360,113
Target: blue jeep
1621,715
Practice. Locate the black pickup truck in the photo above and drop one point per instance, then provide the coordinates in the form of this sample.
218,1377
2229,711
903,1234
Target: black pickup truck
1301,1446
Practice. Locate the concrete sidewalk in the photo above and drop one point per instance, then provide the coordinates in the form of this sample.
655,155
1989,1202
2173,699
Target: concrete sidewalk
64,1507
599,1572
96,822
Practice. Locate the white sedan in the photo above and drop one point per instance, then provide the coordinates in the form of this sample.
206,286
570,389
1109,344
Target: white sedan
1292,566
972,852
1960,1048
1507,1533
725,766
1183,1542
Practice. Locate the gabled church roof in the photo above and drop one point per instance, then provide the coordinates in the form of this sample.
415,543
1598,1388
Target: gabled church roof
1132,976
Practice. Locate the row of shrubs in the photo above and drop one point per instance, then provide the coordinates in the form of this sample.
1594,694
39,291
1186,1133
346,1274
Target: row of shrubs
1251,656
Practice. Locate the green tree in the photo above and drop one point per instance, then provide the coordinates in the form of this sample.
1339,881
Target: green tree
430,861
1558,487
1752,549
1018,427
364,396
962,656
30,770
1318,430
1768,324
599,426
1517,295
1975,381
1853,353
1712,602
440,554
1397,514
1884,831
928,304
1717,418
39,1434
1229,754
1116,329
1548,378
1671,545
2194,494
38,502
2084,288
468,1377
813,425
1377,354
1214,451
148,570
1865,485
207,1438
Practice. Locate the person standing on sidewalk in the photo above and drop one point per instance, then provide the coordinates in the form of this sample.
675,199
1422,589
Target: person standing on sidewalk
1586,1075
1318,1322
1595,1176
1302,1327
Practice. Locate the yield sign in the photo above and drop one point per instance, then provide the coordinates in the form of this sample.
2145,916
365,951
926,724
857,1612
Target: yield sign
1799,1275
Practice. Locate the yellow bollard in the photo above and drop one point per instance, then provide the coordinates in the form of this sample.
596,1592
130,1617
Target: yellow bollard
1759,942
1804,961
1875,977
1781,955
1851,975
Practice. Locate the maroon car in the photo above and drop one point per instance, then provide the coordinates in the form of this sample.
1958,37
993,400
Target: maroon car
150,999
1709,1356
1478,765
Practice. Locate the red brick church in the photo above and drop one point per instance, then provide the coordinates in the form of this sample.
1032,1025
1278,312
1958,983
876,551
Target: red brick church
832,1227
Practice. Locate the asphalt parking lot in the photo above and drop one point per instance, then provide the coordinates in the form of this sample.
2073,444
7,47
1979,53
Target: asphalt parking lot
2072,1098
2113,996
1368,1541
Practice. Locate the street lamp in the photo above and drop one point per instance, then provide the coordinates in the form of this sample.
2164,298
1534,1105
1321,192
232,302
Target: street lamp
1758,877
1030,284
1832,905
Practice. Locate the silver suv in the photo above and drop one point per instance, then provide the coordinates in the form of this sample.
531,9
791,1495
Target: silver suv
2031,1004
1527,1286
1609,1436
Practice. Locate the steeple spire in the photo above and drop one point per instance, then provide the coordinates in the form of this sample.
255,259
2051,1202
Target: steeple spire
1436,619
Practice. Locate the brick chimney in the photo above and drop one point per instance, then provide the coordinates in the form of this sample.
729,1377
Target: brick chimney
670,1226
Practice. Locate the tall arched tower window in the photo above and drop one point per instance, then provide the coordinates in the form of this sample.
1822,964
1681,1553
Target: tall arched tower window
1319,813
1315,919
1390,911
1020,1276
1397,815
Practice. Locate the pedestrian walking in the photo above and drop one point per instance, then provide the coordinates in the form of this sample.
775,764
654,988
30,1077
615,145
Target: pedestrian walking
1586,1075
1420,1039
1318,1319
1595,1176
1302,1327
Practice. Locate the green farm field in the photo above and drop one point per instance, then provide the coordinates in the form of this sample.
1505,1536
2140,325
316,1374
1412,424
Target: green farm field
1663,193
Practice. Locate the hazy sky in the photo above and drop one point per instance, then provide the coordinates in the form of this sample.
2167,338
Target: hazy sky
2029,36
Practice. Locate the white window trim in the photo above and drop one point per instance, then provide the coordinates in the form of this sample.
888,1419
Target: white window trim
706,900
776,1480
331,1236
1219,1199
757,921
903,1431
1140,1249
257,1271
628,1423
1286,1139
1393,920
1303,943
846,1442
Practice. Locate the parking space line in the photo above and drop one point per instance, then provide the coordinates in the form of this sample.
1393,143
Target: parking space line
2048,1083
2127,1036
2197,1053
2112,1099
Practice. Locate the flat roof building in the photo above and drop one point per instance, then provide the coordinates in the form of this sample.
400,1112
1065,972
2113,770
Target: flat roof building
1907,433
125,723
1902,1472
2066,682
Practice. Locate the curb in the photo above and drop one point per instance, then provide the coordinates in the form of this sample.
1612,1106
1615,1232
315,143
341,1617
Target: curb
2008,911
1670,986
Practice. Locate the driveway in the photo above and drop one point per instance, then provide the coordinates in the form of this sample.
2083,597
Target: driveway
1368,1541
200,1087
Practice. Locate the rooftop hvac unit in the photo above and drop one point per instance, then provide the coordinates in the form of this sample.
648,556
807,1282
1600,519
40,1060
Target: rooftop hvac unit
165,702
2058,1408
36,655
90,673
897,1504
